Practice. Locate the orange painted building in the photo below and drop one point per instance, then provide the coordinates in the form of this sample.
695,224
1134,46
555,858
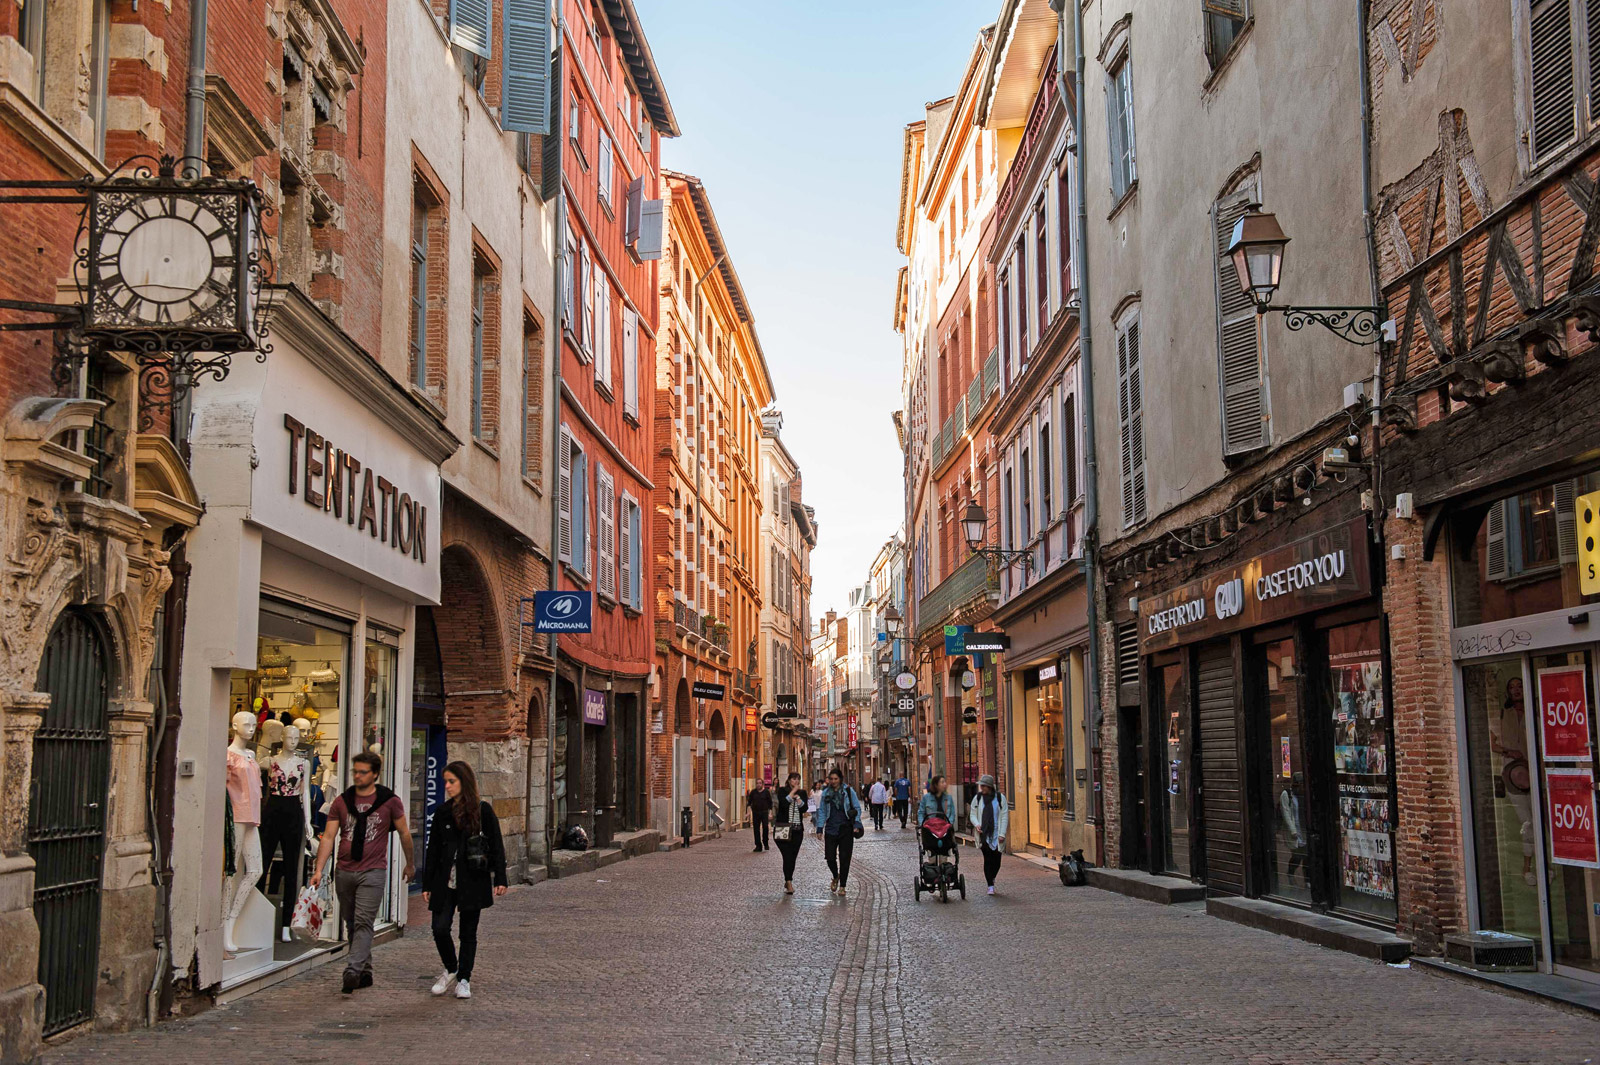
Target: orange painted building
614,113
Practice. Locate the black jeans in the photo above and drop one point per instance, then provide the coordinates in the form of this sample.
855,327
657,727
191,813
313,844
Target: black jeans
837,851
991,862
760,825
791,852
877,814
442,917
283,828
900,810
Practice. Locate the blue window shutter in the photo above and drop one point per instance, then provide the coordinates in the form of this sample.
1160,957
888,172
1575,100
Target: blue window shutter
652,223
525,97
470,24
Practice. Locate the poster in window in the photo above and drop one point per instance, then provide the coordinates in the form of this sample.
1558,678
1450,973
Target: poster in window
1570,811
1564,713
1361,761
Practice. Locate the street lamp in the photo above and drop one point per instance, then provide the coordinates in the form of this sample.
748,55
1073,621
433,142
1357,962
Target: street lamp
892,622
974,525
1257,253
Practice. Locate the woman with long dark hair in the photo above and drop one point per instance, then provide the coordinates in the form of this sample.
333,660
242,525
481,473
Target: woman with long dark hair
465,870
789,808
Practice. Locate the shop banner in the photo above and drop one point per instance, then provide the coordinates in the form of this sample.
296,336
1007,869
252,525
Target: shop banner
1564,713
1327,569
594,707
1569,808
752,718
853,731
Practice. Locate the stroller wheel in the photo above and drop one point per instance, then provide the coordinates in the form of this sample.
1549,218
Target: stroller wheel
916,887
944,892
961,885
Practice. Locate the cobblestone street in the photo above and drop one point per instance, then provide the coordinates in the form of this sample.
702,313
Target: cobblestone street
697,956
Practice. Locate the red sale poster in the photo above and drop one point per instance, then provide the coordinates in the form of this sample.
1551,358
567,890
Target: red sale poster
1564,713
1570,812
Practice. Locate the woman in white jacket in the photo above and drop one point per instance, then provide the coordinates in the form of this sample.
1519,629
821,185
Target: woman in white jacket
989,817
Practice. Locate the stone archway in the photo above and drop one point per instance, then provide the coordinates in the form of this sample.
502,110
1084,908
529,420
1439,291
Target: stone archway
717,765
471,650
683,769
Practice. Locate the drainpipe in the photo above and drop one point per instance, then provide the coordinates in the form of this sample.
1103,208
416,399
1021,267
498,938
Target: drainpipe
558,257
194,128
699,514
1372,264
1091,504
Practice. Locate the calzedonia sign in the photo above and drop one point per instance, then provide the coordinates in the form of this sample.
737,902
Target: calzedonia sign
333,480
1323,570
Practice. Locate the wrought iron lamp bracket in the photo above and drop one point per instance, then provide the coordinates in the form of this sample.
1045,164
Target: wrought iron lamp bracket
1356,325
1000,559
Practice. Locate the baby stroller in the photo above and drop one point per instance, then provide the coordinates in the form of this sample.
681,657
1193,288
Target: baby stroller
938,861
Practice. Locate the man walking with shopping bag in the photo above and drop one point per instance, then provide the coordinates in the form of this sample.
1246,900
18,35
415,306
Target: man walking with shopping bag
360,820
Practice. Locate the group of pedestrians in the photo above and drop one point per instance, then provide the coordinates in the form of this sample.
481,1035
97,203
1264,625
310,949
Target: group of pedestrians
464,870
833,810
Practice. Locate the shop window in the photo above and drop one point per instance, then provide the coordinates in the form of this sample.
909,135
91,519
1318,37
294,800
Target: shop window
1289,812
1500,774
1177,767
1362,770
1518,555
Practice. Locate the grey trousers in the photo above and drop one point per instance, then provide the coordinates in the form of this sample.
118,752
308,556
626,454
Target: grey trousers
360,894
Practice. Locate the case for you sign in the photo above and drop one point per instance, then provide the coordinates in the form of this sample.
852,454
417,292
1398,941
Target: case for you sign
1323,570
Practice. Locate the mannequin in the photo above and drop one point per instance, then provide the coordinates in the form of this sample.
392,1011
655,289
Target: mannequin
286,821
244,791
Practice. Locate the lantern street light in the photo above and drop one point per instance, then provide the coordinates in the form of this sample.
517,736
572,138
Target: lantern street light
892,621
975,525
1257,252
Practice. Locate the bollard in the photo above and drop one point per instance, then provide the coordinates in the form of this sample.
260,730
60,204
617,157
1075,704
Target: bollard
686,824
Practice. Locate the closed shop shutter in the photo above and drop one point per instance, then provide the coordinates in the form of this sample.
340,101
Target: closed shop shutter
1222,802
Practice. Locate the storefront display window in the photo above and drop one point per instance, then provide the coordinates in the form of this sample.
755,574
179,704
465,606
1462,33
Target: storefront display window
1046,736
1361,757
1520,556
296,695
1178,766
1502,797
1566,741
1288,875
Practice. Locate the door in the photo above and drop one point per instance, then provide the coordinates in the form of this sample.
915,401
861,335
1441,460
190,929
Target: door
1176,766
682,777
67,816
1285,784
1221,790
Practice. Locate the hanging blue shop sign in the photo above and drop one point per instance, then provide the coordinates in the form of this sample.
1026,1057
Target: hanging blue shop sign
955,639
563,611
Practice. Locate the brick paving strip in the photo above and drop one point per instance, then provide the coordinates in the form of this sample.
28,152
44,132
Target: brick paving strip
698,957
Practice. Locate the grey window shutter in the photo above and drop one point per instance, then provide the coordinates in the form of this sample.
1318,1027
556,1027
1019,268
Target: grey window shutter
564,496
550,146
470,24
1244,425
632,211
1497,566
652,217
525,96
1566,493
1130,409
1125,425
1225,8
1592,18
1552,70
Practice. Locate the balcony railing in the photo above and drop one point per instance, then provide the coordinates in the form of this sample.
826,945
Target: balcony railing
973,582
685,616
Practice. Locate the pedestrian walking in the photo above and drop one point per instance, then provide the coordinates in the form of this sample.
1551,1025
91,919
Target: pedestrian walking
990,817
902,798
838,821
936,802
816,797
760,802
360,821
792,804
465,870
878,797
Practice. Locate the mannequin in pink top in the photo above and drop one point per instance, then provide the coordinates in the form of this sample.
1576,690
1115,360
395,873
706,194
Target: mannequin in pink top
244,792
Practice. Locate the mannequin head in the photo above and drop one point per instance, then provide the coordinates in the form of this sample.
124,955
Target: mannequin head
291,739
244,726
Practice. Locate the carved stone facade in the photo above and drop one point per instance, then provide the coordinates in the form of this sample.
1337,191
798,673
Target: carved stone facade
62,548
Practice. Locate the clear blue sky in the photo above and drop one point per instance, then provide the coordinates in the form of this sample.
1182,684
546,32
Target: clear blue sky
792,114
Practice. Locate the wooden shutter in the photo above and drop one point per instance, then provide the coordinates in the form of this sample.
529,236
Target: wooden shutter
525,89
605,175
634,205
580,512
1552,77
1226,8
1221,791
1244,426
550,146
625,552
1592,60
606,520
586,297
1566,493
1130,411
652,219
470,24
630,362
564,496
1069,449
602,327
1496,558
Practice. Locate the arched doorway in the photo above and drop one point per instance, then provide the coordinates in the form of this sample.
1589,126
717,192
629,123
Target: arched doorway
682,752
67,815
717,766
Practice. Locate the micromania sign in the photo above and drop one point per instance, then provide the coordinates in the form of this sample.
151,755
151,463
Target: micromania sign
1326,569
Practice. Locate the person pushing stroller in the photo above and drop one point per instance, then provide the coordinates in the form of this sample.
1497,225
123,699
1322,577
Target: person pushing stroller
938,861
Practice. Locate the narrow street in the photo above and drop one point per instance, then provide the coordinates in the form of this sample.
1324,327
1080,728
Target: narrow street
723,968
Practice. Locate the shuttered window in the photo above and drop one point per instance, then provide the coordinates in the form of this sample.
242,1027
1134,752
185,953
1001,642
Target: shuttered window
580,509
630,556
605,511
1069,444
525,92
564,496
630,362
471,22
606,175
1130,417
602,327
586,300
1244,399
1563,73
1225,21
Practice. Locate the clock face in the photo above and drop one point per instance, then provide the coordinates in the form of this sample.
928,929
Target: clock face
166,260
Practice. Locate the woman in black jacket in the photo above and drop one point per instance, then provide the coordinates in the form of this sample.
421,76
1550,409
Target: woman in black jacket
789,825
465,870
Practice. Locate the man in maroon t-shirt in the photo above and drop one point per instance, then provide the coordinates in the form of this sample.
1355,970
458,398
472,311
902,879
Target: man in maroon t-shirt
361,820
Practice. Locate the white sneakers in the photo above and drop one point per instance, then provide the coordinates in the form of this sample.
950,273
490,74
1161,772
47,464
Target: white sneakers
464,989
442,985
991,889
